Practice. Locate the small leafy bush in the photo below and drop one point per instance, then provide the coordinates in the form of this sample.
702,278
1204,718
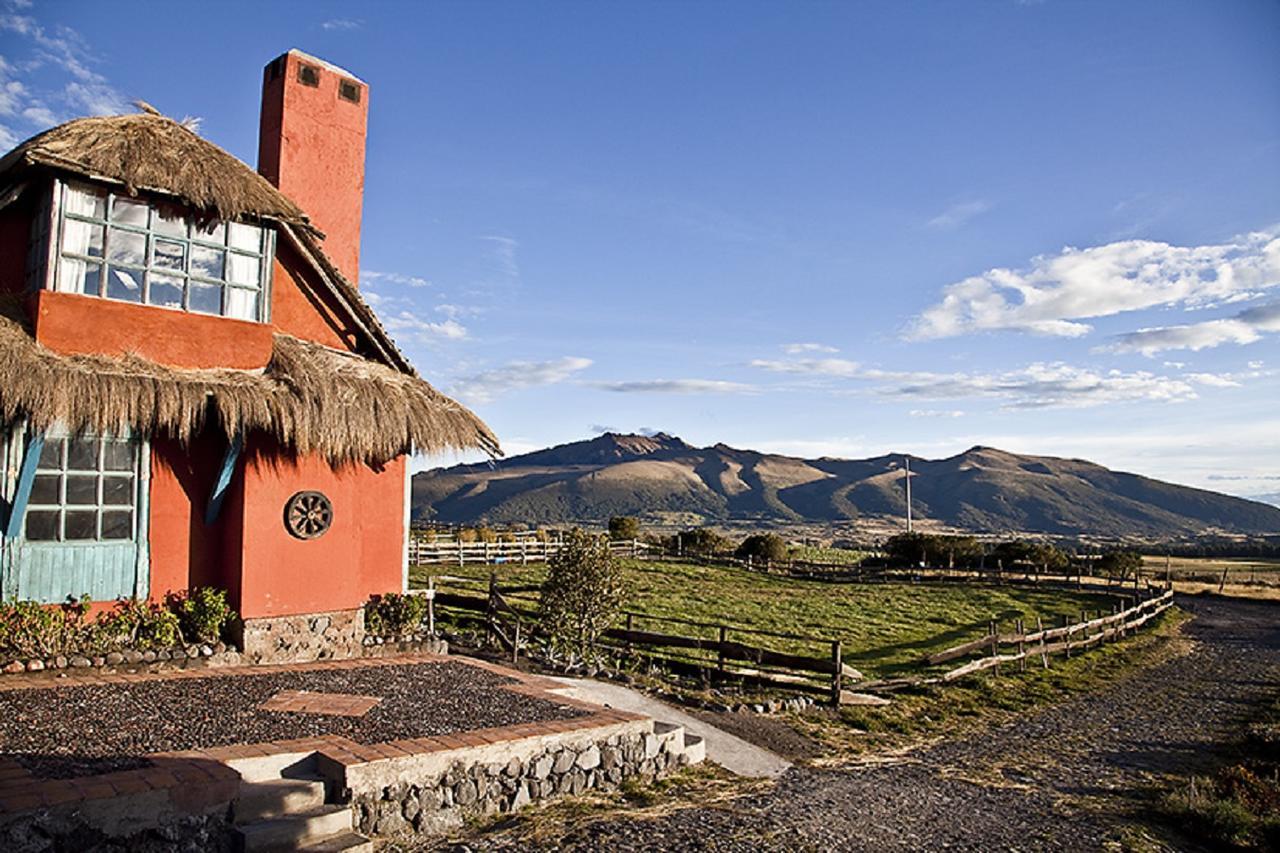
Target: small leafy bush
203,613
763,546
136,624
393,614
582,594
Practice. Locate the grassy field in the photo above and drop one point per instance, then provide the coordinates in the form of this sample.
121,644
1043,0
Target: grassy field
1209,569
833,556
884,627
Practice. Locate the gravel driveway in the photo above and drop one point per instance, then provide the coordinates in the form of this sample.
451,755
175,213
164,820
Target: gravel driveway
1058,779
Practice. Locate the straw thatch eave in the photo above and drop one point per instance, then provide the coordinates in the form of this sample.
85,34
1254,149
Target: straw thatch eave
148,152
309,398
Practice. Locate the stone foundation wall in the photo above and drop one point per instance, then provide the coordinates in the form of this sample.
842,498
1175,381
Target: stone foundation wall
309,637
437,804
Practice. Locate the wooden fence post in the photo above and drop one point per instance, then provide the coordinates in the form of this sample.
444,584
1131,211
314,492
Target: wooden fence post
491,613
1044,655
1022,646
1066,623
724,638
630,647
837,672
515,644
995,644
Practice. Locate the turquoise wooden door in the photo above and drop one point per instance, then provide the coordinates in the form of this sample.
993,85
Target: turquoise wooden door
83,526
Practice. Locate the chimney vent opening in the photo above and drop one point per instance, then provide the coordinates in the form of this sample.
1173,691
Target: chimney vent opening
275,68
308,75
348,91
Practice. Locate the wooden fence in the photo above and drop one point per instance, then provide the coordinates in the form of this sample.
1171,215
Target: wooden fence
709,652
523,550
1042,643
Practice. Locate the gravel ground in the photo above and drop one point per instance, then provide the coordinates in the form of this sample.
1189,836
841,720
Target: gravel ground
74,731
1058,779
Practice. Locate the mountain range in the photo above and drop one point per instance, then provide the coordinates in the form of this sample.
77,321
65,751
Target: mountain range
982,489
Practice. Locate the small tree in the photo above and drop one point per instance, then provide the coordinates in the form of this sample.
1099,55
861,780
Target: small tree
763,546
1120,564
582,594
700,540
624,528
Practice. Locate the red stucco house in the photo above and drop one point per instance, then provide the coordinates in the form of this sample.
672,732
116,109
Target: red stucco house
192,390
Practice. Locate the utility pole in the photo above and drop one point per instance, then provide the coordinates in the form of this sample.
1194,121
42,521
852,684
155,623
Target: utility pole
907,460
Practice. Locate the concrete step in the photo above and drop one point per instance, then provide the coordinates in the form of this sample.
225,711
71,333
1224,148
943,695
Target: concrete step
670,734
270,767
695,748
293,831
277,798
343,842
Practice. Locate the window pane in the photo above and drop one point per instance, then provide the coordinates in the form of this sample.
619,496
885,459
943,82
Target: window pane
51,455
78,277
166,291
126,247
82,238
82,489
117,491
242,269
207,263
170,255
206,298
118,455
211,233
244,237
84,203
82,454
42,525
126,211
242,304
174,226
117,525
124,284
47,490
81,524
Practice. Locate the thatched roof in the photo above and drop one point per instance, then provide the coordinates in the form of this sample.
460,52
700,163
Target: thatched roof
310,398
150,152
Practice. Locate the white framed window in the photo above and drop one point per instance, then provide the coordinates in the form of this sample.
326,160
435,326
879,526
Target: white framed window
85,490
118,247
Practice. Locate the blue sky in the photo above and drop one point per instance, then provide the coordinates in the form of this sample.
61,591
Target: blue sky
842,229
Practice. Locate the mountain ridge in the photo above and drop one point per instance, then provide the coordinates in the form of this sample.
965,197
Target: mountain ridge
983,489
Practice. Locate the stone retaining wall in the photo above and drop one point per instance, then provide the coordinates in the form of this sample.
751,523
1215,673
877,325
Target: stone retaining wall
309,637
437,803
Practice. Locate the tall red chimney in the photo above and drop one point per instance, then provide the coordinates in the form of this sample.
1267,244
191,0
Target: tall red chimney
311,141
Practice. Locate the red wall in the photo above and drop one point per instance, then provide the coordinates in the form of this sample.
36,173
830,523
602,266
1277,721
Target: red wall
70,322
360,555
311,144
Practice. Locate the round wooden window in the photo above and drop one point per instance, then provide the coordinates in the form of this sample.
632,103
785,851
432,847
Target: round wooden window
308,515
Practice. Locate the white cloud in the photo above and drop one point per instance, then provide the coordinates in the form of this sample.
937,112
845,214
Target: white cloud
798,349
1055,292
60,52
675,386
504,250
834,367
958,214
342,24
484,387
1214,380
1039,385
372,276
1243,328
424,331
1256,365
935,413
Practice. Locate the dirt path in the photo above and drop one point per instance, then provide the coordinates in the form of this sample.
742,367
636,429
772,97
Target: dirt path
1059,779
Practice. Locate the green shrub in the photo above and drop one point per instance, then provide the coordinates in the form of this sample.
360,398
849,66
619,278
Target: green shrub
582,594
203,613
30,630
136,624
768,547
700,540
623,528
392,614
